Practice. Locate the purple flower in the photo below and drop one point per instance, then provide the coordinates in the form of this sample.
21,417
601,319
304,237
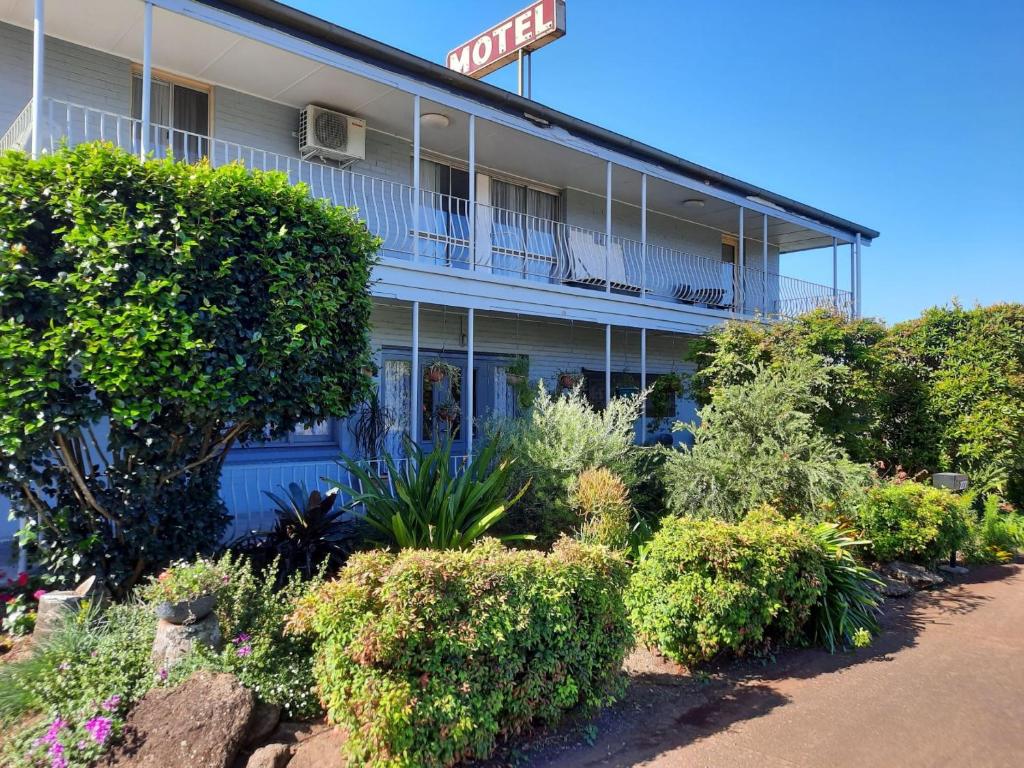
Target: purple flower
245,650
111,704
242,639
64,666
55,728
161,675
98,728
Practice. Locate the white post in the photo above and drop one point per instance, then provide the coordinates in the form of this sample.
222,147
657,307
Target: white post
860,284
38,45
467,419
608,229
416,178
147,76
741,257
643,384
414,390
835,274
643,236
853,279
764,266
471,213
607,364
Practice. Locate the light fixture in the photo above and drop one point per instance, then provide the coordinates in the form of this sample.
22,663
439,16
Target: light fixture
693,202
435,120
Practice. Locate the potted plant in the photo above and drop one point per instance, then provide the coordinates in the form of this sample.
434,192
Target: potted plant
186,592
518,371
438,370
447,412
567,379
665,389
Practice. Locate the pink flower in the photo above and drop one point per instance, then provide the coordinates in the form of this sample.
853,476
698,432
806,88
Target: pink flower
64,666
38,594
111,704
98,728
55,728
245,650
241,639
161,675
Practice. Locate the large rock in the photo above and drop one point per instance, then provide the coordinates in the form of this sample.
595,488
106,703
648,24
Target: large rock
174,641
264,720
913,575
55,608
320,751
200,724
892,588
270,756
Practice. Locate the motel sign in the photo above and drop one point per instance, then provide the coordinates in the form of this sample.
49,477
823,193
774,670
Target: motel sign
533,27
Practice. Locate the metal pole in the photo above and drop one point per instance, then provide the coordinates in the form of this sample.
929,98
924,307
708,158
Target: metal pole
764,266
472,193
38,52
835,274
853,280
608,229
860,278
643,384
416,177
147,76
529,75
643,236
414,395
741,257
607,364
519,60
467,421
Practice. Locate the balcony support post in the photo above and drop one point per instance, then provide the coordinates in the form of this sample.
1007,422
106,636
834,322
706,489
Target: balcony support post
643,384
860,285
471,213
835,274
608,229
741,257
416,177
764,265
414,390
147,77
38,53
643,236
853,279
607,364
467,418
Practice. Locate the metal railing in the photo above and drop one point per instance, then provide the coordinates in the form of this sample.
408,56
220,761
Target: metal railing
440,229
20,130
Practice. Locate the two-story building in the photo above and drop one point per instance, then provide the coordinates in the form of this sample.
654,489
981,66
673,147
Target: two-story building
510,230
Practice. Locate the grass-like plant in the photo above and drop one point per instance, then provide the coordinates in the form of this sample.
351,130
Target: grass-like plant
427,504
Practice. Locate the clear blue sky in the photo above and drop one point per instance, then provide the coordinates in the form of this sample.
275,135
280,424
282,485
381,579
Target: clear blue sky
903,115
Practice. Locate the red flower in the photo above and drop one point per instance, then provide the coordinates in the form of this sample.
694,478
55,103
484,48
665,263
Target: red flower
6,599
23,578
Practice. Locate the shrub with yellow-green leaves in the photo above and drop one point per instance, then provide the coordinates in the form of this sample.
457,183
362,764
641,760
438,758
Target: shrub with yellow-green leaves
602,501
430,658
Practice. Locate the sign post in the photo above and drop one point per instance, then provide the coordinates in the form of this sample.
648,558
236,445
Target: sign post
514,39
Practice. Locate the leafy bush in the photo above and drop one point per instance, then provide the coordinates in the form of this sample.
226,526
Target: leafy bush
913,521
846,613
183,581
428,504
602,501
998,535
155,314
556,440
706,587
756,444
429,658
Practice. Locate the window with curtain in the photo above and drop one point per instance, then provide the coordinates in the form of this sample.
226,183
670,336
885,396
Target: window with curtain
444,214
179,116
524,230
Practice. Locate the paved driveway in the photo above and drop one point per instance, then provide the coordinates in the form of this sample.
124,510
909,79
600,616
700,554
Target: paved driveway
942,686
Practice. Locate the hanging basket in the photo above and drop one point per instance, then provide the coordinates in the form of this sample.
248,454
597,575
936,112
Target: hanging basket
514,379
566,380
436,374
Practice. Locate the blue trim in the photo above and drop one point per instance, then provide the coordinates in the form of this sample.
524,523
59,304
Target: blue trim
279,453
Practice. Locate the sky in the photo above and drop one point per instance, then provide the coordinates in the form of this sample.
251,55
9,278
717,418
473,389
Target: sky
905,116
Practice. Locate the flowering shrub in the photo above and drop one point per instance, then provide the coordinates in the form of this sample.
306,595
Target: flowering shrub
429,658
706,586
183,581
18,603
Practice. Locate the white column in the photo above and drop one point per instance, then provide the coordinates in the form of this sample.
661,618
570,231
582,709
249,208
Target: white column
835,274
414,390
467,418
643,384
607,363
147,76
741,259
764,266
38,52
643,236
860,283
853,279
608,228
471,213
415,177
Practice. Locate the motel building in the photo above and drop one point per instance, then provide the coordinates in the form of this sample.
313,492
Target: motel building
510,230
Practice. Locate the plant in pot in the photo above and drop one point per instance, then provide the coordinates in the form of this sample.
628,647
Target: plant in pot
438,370
567,379
664,391
186,592
517,374
447,412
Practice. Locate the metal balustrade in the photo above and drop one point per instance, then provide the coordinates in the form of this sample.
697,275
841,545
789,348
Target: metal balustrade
443,230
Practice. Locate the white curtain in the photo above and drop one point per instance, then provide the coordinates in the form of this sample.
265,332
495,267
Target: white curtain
398,400
504,396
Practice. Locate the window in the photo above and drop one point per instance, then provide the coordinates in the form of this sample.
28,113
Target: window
179,115
524,230
444,214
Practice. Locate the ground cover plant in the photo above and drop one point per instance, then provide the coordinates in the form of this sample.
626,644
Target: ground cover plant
431,658
155,314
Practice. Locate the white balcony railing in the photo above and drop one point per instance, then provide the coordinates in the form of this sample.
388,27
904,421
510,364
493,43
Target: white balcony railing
441,229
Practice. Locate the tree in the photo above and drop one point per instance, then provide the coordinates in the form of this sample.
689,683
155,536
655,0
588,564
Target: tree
152,315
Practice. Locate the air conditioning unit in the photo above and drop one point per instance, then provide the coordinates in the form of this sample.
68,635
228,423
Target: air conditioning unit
332,135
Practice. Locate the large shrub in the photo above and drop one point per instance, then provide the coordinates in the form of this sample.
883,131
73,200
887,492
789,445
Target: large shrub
429,658
152,315
558,438
912,521
706,587
757,443
602,501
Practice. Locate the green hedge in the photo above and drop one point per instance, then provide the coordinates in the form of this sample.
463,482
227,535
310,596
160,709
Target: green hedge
705,586
913,521
429,658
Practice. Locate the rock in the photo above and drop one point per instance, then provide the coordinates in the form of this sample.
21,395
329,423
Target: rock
913,575
296,733
320,751
954,570
270,756
95,592
264,720
54,609
200,724
174,641
892,588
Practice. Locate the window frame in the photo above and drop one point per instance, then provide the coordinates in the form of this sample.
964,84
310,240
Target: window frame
174,80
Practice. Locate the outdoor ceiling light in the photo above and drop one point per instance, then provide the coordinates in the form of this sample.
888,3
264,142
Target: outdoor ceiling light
435,120
693,202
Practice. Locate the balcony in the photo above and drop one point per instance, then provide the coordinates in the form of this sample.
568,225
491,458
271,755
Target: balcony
453,233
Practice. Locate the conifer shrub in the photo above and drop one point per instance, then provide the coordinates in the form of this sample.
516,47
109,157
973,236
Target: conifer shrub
602,501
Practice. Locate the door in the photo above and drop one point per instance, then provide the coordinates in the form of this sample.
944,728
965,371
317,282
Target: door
179,115
444,214
730,272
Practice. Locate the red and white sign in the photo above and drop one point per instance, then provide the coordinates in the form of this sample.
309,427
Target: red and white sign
534,27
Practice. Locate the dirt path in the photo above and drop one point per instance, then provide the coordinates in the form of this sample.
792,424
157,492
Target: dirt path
943,685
